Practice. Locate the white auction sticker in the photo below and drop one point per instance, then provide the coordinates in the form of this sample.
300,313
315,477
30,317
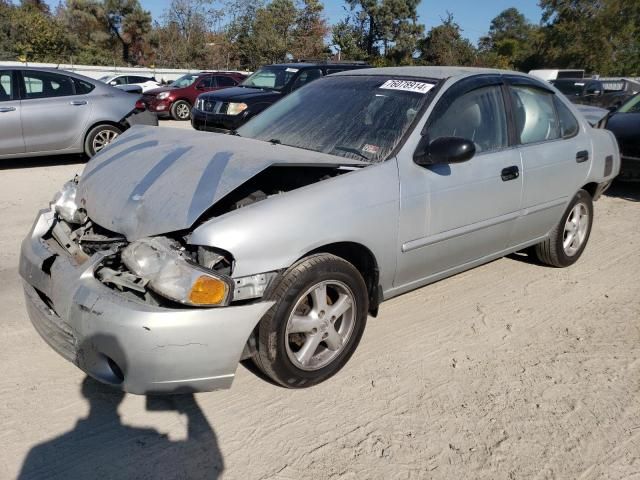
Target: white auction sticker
407,86
291,70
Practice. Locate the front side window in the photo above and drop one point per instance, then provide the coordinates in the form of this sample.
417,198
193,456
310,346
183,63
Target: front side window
206,82
568,123
479,116
225,81
6,88
362,118
306,77
274,78
46,85
535,114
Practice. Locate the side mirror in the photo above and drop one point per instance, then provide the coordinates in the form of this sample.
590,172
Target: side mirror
443,150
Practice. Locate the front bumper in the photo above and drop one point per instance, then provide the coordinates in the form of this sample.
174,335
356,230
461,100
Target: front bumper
215,122
139,347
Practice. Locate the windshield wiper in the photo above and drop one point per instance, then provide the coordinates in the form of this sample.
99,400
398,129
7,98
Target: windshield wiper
234,133
275,141
355,151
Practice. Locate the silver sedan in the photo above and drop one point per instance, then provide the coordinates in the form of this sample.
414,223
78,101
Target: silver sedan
50,112
276,243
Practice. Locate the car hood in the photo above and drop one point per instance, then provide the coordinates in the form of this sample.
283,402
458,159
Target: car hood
241,93
155,91
592,114
158,180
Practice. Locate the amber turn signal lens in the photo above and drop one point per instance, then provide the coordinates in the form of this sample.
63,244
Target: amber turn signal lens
208,291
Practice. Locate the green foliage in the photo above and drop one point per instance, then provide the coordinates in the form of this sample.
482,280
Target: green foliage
512,42
382,31
444,45
600,36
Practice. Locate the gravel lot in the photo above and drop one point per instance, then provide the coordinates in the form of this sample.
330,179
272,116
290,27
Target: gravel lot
509,371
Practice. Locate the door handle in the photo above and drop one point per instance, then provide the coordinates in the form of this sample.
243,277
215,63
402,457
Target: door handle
582,156
510,173
78,102
7,109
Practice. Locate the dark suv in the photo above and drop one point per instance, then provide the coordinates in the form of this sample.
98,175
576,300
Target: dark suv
176,100
597,93
230,108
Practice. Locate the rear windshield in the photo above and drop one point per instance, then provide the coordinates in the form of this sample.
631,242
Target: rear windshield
359,117
273,78
569,87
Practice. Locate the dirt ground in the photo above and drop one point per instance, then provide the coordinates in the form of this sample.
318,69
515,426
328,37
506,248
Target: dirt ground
510,371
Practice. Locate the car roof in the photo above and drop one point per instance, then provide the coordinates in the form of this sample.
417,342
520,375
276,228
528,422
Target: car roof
300,65
430,72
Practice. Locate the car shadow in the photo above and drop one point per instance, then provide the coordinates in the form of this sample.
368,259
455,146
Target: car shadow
625,190
45,161
102,446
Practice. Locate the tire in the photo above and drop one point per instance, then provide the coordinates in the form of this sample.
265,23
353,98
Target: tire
283,341
99,137
181,110
557,250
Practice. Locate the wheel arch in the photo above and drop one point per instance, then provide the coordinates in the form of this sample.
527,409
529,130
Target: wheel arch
591,188
364,261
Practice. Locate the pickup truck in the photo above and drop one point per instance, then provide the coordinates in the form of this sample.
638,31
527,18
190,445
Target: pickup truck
178,254
596,93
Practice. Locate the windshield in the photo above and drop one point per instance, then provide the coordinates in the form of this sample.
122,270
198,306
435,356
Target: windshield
275,78
357,117
569,87
631,106
184,81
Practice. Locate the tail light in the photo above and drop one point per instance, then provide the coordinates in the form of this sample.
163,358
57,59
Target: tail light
140,105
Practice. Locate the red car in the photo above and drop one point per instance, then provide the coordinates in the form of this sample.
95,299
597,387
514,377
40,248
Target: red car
176,100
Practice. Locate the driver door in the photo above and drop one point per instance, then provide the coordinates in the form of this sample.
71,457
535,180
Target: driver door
454,214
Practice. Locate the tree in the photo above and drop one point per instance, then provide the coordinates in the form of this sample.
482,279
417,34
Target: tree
387,30
127,22
310,30
601,36
444,45
512,42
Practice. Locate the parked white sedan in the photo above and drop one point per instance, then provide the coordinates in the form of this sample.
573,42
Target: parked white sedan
146,83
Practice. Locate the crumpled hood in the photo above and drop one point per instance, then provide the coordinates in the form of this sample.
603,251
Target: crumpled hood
156,180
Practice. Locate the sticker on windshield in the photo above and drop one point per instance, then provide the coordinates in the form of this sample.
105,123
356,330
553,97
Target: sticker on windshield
372,149
579,84
407,86
291,70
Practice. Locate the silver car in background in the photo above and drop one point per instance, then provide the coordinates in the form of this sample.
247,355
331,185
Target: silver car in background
275,243
50,112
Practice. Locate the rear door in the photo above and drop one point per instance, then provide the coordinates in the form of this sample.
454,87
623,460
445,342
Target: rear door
555,155
54,116
11,140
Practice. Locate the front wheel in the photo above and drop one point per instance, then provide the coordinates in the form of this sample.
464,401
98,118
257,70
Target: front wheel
316,324
181,110
568,239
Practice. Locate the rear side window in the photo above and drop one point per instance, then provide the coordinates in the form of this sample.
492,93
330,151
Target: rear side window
6,89
82,87
138,79
46,85
479,116
568,123
535,115
225,81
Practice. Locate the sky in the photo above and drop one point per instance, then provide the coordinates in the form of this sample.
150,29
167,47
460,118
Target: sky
473,16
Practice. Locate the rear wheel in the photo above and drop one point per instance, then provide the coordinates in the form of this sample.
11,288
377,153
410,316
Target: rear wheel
316,324
181,110
99,137
569,238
